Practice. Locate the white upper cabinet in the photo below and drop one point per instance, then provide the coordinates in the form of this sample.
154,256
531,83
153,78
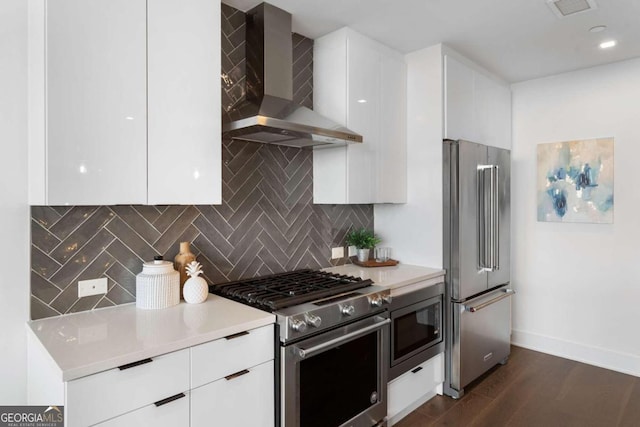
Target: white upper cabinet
361,84
185,164
124,102
477,107
96,118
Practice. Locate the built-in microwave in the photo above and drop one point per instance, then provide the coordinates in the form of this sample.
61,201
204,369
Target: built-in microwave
416,328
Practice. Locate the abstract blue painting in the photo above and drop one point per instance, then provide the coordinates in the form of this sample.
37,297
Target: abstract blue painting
575,181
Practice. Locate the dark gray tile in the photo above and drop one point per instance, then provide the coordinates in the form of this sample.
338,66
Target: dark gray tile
122,277
42,238
97,269
137,222
245,259
211,273
85,303
81,235
150,213
40,310
245,213
242,246
213,234
131,239
44,215
62,210
43,289
175,230
118,295
274,250
217,220
82,259
250,218
71,220
126,257
211,252
104,302
42,264
170,214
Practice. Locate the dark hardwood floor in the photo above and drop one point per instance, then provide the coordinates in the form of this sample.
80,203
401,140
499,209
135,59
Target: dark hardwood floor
536,389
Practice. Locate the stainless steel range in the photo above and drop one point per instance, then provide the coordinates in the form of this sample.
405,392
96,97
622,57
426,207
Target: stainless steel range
333,333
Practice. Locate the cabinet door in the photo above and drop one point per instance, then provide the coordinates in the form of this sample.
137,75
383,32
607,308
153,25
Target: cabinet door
492,111
239,400
172,412
96,102
363,117
184,102
391,172
459,103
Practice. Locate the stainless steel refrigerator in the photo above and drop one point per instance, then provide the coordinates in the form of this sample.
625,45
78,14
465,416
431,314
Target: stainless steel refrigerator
476,258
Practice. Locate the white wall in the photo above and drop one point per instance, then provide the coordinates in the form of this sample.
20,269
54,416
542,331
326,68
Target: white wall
579,284
414,230
14,212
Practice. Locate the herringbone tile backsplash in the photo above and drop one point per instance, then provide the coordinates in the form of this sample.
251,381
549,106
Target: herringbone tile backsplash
267,221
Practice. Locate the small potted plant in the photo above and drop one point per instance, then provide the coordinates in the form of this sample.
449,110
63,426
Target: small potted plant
363,240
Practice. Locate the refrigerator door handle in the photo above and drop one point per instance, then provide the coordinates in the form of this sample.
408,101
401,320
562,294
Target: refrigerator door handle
506,294
485,217
495,218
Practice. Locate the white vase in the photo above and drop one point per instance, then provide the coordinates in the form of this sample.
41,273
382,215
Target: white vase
195,290
363,255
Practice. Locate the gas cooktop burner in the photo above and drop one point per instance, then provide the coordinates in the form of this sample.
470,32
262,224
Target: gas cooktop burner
278,291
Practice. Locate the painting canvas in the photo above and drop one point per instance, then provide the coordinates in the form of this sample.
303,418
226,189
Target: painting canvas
575,181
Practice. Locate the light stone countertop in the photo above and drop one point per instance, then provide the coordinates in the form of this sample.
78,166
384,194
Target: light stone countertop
399,276
88,342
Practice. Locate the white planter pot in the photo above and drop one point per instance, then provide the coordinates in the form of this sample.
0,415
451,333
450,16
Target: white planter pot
363,255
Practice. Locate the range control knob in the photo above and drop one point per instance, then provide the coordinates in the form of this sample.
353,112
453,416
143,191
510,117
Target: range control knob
313,320
298,325
375,301
348,310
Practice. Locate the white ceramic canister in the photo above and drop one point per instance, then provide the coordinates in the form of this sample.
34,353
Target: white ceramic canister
158,285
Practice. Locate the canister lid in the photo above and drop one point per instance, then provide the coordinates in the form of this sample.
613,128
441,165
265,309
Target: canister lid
157,267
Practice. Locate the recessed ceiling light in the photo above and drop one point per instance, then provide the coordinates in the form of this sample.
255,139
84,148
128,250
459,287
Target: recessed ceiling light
608,44
597,29
362,101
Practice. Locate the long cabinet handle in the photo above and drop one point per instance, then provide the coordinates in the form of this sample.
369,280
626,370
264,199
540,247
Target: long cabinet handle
134,364
236,375
169,399
238,335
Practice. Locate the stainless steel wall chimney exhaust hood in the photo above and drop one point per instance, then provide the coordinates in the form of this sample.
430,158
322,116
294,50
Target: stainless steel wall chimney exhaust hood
269,115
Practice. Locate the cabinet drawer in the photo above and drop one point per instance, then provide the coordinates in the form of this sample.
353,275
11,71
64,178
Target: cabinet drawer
414,384
174,413
98,397
216,359
244,399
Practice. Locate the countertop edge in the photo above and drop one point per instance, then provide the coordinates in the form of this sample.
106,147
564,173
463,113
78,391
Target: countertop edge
75,373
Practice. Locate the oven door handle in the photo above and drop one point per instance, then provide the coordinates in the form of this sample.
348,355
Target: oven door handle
307,352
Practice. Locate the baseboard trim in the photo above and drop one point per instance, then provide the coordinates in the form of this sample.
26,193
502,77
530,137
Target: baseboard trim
597,356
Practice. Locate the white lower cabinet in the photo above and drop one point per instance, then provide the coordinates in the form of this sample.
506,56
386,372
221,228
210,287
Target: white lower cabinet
172,412
415,387
210,384
105,395
245,398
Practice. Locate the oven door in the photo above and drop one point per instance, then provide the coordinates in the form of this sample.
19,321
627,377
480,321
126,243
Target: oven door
415,329
337,378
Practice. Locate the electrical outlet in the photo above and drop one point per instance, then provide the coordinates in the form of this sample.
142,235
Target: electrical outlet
87,288
353,251
337,253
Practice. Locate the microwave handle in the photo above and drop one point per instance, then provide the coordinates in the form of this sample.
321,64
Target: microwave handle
307,352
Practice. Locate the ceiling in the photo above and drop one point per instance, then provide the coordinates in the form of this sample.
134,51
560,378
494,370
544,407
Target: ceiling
515,39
